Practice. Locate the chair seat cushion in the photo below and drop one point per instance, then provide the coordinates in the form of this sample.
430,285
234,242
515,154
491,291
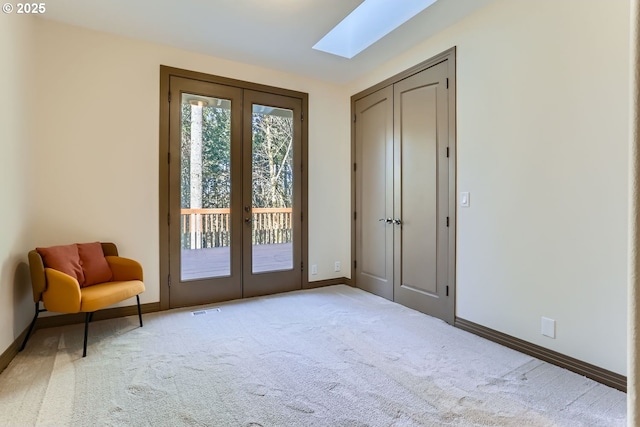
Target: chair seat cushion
104,294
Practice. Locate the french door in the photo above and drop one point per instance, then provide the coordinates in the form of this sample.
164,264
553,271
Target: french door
272,260
234,192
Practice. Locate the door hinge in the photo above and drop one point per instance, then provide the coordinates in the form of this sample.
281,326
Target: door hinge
447,82
355,216
302,117
447,151
169,96
355,264
447,221
168,157
354,118
169,280
168,219
447,290
301,216
354,167
302,266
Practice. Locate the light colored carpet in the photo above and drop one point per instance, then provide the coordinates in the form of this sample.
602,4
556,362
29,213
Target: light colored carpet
334,356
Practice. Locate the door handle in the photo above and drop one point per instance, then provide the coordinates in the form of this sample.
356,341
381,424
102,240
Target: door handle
387,220
397,221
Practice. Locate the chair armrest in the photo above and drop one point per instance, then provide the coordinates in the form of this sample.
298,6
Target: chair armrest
124,268
63,292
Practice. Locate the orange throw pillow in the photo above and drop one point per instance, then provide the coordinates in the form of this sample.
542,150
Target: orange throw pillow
94,264
65,259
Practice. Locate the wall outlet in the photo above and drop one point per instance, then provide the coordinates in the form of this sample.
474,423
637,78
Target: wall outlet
337,266
314,269
548,327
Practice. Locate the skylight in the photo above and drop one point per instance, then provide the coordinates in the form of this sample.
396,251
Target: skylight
367,24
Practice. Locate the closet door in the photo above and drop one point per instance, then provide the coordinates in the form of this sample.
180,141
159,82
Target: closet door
404,189
374,192
421,193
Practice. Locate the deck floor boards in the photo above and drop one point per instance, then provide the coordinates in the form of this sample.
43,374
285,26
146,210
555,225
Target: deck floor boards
215,262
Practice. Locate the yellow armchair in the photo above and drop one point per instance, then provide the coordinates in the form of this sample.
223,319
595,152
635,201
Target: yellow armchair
62,293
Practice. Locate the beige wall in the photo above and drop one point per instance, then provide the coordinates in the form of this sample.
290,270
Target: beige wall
16,83
95,153
542,119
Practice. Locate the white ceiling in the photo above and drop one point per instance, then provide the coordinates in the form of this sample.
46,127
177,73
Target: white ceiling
276,34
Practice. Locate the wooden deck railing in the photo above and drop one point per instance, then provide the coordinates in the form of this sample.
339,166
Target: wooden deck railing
211,228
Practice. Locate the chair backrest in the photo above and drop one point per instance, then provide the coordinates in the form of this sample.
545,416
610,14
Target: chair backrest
36,266
109,249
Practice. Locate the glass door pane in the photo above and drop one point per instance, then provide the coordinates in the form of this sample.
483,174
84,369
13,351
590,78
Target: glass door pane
205,187
272,189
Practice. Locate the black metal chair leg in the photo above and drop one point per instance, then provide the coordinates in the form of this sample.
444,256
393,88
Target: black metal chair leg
33,323
139,310
87,319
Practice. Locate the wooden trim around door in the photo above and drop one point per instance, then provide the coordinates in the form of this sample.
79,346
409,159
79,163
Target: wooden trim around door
166,73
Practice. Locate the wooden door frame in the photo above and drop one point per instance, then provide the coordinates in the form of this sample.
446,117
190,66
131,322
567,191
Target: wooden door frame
450,56
166,73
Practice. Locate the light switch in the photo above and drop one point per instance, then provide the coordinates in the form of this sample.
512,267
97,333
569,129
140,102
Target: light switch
464,199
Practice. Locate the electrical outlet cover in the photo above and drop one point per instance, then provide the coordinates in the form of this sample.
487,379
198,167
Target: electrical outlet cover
548,327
